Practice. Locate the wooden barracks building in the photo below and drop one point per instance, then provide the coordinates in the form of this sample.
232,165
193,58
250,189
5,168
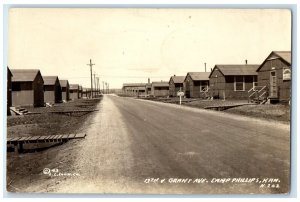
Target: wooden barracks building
74,91
232,81
196,84
175,85
65,89
52,89
275,75
27,87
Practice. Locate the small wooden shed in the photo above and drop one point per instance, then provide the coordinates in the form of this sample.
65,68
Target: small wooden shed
275,74
9,90
27,87
74,91
176,84
160,89
196,84
65,88
52,89
232,81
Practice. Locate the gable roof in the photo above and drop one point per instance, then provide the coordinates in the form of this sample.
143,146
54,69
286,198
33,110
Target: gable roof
198,76
49,80
236,70
284,55
177,79
160,83
74,87
63,83
24,75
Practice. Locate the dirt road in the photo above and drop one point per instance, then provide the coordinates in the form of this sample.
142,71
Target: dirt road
130,141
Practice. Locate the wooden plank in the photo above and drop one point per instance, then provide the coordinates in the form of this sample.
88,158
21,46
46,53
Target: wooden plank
65,136
54,137
71,136
59,136
33,138
8,139
42,137
15,139
51,137
80,135
23,138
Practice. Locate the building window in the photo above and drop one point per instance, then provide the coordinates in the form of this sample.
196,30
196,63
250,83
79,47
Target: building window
254,82
239,83
286,74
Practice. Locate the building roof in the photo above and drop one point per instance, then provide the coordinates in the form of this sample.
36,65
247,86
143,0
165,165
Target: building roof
198,76
177,79
24,75
236,70
74,86
285,55
160,83
49,80
63,83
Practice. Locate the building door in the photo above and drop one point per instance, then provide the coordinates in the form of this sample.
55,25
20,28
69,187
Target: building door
273,84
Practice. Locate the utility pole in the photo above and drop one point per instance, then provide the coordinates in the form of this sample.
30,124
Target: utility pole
91,68
98,85
95,87
103,87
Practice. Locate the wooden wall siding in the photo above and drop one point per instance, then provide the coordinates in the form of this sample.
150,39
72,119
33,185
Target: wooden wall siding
49,96
22,98
74,94
9,91
38,87
58,92
161,92
65,93
283,87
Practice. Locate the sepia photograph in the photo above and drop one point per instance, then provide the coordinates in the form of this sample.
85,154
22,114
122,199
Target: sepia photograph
149,101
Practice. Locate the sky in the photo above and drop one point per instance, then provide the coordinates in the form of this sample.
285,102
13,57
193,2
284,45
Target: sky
132,45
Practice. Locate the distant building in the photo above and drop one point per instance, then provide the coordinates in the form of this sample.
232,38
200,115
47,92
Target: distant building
74,91
275,74
65,88
175,85
52,89
160,89
86,92
232,81
9,90
80,92
196,84
27,87
134,89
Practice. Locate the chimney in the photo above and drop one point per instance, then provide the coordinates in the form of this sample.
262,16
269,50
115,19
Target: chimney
205,66
148,80
246,61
